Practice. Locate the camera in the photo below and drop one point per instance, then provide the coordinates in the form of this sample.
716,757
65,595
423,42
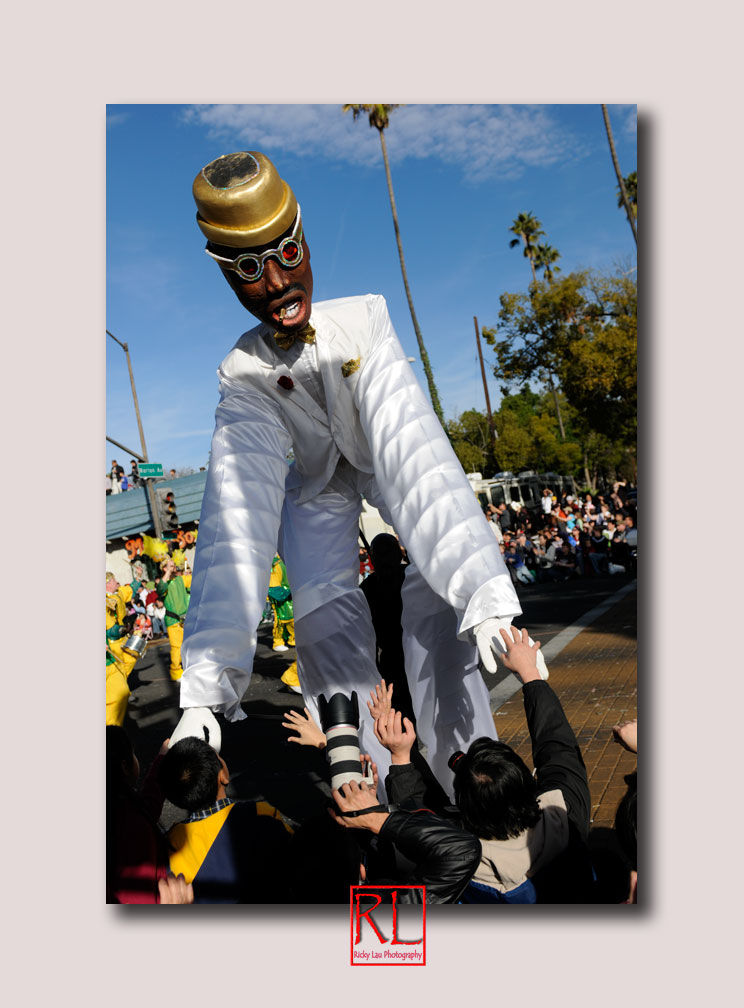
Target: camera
339,719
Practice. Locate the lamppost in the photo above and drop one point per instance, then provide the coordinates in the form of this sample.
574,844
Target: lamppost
148,484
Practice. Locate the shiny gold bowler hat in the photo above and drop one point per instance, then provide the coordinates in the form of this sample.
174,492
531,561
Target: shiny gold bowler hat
241,200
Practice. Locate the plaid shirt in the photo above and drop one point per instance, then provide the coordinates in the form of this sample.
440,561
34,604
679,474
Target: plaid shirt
209,810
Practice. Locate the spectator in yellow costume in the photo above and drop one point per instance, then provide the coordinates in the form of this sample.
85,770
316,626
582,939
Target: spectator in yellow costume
174,589
280,597
118,663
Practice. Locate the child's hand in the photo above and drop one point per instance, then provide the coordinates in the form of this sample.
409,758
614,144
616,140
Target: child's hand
520,657
308,732
382,699
397,734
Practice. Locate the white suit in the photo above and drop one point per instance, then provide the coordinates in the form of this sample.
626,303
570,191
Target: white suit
358,422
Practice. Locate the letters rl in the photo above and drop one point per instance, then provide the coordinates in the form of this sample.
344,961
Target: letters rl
359,913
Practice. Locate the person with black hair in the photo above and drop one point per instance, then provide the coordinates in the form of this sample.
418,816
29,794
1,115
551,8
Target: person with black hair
382,590
441,855
382,845
532,830
234,852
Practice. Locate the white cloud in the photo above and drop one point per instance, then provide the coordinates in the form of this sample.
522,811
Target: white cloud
115,118
624,120
483,140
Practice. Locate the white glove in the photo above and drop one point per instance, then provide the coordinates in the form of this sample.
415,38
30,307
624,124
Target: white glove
490,643
200,722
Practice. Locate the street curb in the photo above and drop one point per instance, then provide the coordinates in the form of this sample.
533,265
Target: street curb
564,638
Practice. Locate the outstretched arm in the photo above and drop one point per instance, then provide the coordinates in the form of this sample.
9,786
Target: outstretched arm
238,532
555,751
433,506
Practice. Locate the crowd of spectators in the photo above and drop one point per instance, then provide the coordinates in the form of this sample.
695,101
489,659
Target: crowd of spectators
515,834
570,536
118,481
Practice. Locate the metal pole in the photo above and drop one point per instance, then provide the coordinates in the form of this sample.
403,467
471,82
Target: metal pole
148,483
124,448
485,388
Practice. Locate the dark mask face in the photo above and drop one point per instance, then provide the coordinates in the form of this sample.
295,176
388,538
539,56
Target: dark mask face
279,287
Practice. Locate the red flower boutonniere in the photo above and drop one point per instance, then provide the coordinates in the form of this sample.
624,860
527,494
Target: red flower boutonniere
286,382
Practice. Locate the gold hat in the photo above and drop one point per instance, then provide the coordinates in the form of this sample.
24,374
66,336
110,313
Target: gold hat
241,200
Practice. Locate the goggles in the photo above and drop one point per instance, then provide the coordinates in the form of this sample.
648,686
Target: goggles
250,265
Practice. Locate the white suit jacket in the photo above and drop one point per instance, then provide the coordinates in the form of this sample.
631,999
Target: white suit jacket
378,418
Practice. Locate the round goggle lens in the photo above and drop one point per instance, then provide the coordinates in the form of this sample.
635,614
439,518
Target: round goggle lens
290,251
251,268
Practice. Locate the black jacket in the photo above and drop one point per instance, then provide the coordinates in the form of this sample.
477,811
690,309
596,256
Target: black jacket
442,855
559,764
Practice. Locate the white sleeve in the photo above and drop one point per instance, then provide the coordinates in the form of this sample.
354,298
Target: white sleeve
238,530
433,506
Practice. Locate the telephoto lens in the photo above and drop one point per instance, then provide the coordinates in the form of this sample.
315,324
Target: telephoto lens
339,719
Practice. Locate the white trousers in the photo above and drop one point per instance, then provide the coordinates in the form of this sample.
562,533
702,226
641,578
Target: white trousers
336,641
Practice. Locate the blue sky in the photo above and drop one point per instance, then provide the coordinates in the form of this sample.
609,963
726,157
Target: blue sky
461,174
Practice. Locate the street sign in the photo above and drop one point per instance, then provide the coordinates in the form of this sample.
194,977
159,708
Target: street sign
148,470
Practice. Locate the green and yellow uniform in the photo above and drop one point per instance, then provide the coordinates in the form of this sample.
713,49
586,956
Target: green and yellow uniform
118,663
175,594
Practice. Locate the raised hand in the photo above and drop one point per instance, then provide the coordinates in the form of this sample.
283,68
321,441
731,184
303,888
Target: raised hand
381,700
308,733
397,734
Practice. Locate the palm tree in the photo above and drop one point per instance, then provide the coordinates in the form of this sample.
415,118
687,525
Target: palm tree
541,256
620,180
631,188
545,256
379,117
527,228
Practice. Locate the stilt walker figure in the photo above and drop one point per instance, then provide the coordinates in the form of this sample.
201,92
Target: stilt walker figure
330,381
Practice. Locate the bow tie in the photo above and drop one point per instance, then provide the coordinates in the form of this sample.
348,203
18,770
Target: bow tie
285,340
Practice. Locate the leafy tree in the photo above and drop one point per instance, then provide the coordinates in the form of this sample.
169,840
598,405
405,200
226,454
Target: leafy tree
469,436
599,372
379,118
537,332
528,438
527,229
581,329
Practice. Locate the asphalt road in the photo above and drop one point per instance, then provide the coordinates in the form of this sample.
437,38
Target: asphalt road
262,763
